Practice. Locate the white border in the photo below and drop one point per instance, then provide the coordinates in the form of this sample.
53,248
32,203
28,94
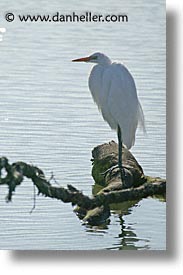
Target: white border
125,263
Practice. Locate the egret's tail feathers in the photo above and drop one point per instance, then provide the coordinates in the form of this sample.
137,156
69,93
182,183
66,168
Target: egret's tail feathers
141,119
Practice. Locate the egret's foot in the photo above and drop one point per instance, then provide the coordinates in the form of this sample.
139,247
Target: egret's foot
109,171
123,174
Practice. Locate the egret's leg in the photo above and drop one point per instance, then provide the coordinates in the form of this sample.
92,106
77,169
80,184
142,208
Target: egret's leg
120,144
119,148
119,165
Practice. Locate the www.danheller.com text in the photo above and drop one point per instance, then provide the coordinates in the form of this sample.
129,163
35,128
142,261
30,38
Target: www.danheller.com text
72,17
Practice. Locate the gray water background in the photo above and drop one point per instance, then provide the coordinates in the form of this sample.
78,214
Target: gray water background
48,118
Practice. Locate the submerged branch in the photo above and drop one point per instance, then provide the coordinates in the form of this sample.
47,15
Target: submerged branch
95,208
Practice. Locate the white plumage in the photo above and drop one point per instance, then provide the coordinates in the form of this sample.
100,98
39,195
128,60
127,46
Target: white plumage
113,90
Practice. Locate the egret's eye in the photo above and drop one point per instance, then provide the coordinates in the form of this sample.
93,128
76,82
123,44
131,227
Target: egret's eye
94,57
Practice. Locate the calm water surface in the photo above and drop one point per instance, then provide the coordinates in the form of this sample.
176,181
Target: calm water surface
48,118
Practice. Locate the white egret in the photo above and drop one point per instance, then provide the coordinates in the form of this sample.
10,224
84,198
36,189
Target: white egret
113,90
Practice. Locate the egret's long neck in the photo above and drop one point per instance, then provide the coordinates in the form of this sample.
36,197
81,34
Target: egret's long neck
105,61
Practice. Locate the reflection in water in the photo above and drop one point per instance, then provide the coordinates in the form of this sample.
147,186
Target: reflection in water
102,228
128,239
129,218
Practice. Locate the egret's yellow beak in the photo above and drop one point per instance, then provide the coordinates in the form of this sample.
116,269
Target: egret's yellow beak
83,59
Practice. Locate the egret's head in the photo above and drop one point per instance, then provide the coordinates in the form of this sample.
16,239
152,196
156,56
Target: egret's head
98,58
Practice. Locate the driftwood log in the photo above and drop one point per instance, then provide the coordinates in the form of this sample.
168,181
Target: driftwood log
95,209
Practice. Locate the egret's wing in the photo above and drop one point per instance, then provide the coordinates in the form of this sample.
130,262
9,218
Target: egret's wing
113,90
141,118
122,100
99,87
95,83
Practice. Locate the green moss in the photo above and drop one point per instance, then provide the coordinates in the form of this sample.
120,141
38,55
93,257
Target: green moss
99,167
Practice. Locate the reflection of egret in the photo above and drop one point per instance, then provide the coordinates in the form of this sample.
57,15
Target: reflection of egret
113,89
